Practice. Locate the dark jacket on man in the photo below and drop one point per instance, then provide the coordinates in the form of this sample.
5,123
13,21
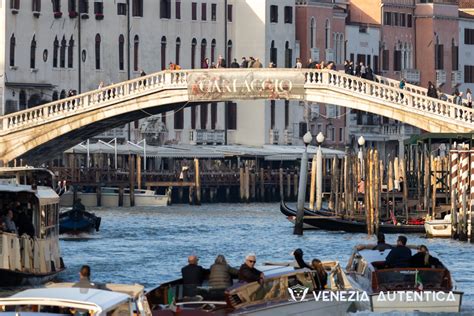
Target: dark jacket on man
221,275
399,257
418,261
193,276
248,274
381,246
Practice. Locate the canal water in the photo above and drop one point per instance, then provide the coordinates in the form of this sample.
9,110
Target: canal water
150,245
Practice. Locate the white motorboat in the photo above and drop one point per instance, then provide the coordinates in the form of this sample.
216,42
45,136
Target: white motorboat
110,198
439,227
402,289
64,299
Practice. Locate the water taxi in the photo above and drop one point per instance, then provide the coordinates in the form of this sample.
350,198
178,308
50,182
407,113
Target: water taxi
439,227
409,289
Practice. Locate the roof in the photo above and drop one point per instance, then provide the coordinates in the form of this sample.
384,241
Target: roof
99,300
45,195
134,290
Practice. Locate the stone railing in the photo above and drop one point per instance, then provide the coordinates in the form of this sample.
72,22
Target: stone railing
94,99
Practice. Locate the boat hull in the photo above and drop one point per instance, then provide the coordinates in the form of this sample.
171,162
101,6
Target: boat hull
401,304
16,278
112,199
438,228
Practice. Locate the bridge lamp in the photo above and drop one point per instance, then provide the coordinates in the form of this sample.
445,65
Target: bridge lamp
307,138
361,142
320,138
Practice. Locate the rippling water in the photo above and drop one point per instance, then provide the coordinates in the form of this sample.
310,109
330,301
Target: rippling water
150,245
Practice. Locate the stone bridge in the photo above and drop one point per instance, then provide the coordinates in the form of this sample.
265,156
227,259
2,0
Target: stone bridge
40,133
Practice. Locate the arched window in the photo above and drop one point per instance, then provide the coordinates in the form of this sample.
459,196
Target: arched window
213,51
312,33
229,52
273,54
36,5
63,94
62,53
288,55
121,52
203,50
328,34
55,52
33,53
136,45
178,48
193,53
163,53
15,4
70,53
55,95
336,47
97,51
22,100
342,51
72,6
12,50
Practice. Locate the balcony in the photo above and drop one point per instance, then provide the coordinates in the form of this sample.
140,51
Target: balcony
456,78
274,137
203,136
411,75
440,77
287,137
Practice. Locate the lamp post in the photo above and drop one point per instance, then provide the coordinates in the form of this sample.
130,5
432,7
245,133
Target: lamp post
302,186
361,142
319,172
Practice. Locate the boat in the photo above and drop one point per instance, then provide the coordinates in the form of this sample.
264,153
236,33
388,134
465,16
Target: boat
77,220
34,257
339,223
438,227
402,289
64,299
287,211
284,291
109,197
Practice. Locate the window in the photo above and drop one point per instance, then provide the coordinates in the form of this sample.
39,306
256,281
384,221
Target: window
229,52
469,36
439,57
56,5
193,117
395,18
213,12
203,50
36,5
194,11
15,4
121,52
468,74
213,115
70,53
203,11
229,13
165,9
136,44
71,7
193,53
83,6
376,64
403,19
22,100
163,118
385,59
232,116
312,32
288,55
387,18
178,9
203,115
62,53
303,128
178,48
272,114
12,50
274,14
273,53
287,114
163,53
179,119
328,34
409,20
455,56
55,52
33,53
341,134
397,60
97,51
121,9
288,14
137,9
98,8
213,51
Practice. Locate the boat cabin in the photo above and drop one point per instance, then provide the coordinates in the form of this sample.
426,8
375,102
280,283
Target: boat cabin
368,268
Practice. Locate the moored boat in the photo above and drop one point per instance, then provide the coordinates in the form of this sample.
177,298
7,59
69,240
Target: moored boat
439,227
287,211
408,289
77,220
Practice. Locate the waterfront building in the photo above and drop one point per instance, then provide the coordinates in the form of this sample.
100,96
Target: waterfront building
466,45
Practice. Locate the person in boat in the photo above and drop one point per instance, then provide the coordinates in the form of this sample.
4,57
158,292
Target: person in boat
25,224
321,277
298,254
221,274
423,259
400,256
84,278
10,225
381,245
193,276
78,206
247,271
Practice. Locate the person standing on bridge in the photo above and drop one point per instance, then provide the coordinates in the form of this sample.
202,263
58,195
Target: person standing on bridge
469,98
402,87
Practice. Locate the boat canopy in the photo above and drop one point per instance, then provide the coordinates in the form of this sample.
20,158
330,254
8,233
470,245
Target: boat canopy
134,290
45,195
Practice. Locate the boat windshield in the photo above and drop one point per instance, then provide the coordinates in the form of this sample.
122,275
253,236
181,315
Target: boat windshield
412,279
